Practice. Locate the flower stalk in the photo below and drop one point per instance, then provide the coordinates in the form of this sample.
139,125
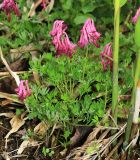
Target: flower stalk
115,59
133,116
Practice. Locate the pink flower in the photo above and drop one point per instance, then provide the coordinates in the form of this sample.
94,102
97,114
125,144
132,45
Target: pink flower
63,45
8,6
135,18
106,56
89,34
43,4
58,28
23,90
61,41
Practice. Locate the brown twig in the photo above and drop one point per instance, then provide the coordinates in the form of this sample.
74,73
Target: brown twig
19,72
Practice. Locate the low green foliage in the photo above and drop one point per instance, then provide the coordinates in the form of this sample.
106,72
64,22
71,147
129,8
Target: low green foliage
68,89
47,152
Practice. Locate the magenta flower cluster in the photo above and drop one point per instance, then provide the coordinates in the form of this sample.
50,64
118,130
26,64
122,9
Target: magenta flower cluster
88,35
62,43
8,6
23,90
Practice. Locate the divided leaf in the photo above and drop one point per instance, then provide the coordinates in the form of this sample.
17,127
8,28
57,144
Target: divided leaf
122,2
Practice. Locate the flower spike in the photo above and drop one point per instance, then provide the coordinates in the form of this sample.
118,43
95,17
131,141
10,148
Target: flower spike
23,90
106,56
8,6
61,41
135,18
89,34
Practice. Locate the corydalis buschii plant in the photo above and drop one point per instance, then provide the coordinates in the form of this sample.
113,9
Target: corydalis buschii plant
89,34
8,6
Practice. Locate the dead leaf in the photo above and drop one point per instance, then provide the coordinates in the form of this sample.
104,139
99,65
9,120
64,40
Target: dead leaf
50,6
53,141
79,134
76,136
12,97
41,128
6,102
54,128
8,115
16,122
18,72
33,8
63,153
6,156
25,144
27,48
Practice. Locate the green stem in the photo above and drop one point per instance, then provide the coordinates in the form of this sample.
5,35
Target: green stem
130,117
115,59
